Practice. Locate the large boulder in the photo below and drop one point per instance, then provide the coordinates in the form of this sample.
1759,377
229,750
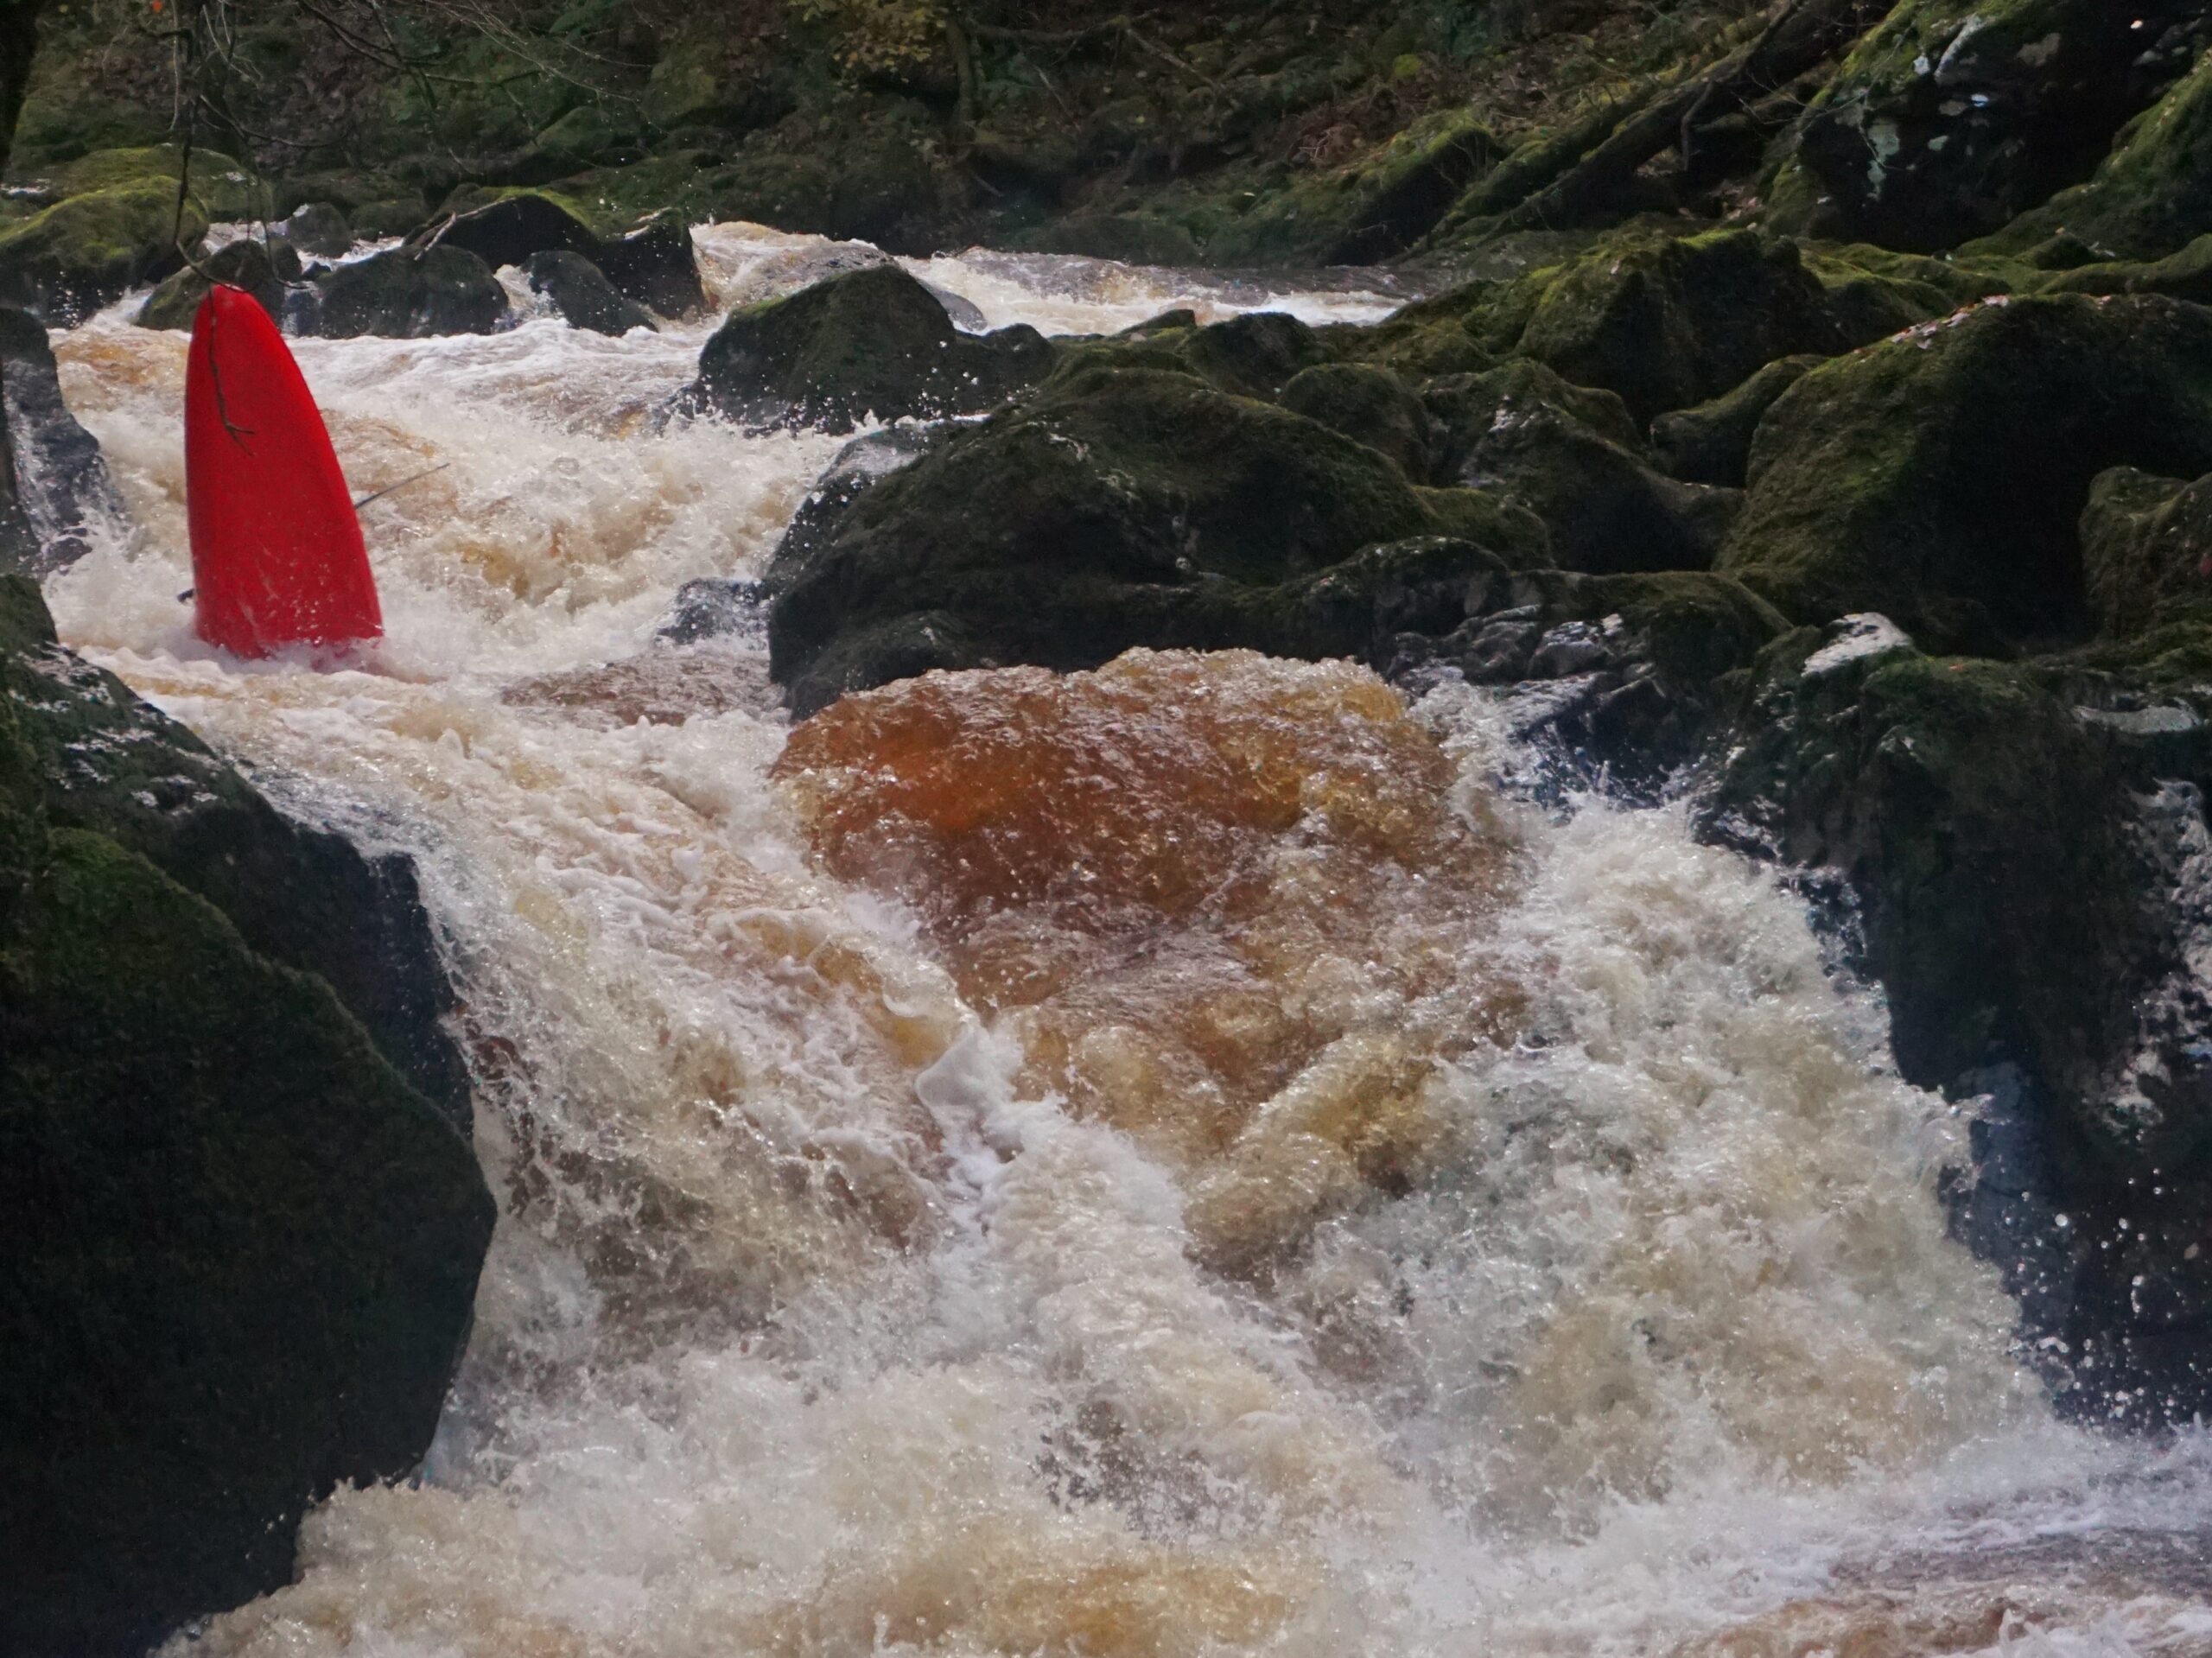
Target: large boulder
1950,118
411,293
873,343
55,474
1127,505
68,261
1939,477
2020,879
318,229
242,1251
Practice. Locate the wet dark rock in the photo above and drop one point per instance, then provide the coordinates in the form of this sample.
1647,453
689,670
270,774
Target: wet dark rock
56,479
873,342
506,231
656,265
2025,900
319,230
1939,477
242,1248
1711,443
1127,506
1573,456
1948,120
581,293
412,293
266,271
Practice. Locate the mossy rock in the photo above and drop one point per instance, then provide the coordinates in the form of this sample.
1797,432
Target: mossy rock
1673,322
303,897
1871,293
2151,198
1711,443
262,271
1368,404
243,1250
873,342
225,188
2146,551
1939,476
409,293
1948,119
653,264
1128,506
1573,456
2186,275
80,255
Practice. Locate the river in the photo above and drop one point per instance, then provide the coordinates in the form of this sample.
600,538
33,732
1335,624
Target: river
1458,1224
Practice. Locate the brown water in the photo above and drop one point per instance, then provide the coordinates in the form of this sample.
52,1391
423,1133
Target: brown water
1168,1161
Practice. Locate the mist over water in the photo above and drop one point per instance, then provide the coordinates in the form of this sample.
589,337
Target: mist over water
841,1305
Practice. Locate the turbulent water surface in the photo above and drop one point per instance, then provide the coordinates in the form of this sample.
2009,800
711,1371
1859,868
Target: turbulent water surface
1170,1161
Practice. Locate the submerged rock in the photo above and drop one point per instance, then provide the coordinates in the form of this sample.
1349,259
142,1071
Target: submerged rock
873,342
242,1250
410,293
1128,505
581,293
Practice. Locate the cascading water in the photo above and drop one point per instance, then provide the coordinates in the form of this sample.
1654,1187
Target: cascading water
1449,1226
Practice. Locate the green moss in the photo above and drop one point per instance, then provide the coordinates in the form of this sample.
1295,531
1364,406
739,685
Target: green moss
1871,293
224,188
2186,275
1369,405
1711,443
2146,543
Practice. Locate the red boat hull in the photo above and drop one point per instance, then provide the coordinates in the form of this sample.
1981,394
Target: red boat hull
276,552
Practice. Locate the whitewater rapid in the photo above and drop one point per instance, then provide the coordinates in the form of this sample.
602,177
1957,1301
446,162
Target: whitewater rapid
813,1325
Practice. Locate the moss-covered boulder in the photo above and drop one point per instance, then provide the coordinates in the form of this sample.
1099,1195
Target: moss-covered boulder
265,270
242,1250
1711,443
652,264
1127,506
1573,455
411,293
1939,477
1675,321
2146,551
302,897
55,476
68,261
2186,275
579,290
2150,198
871,342
1949,118
2018,905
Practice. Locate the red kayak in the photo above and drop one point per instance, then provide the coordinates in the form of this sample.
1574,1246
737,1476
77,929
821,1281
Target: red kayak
276,553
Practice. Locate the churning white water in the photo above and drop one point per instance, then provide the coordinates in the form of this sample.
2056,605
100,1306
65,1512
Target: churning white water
813,1326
